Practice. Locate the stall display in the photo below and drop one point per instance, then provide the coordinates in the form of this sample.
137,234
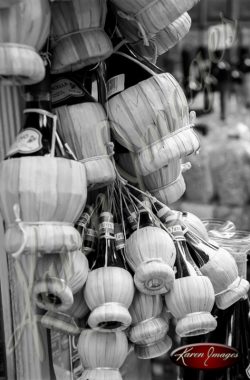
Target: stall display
96,256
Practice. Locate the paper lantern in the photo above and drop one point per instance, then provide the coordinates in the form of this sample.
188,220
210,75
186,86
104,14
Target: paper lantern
149,329
151,254
57,278
190,301
109,292
102,354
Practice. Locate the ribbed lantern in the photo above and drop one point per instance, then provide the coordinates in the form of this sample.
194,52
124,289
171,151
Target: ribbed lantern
57,278
24,28
78,36
223,273
152,120
148,16
86,129
42,197
149,329
166,184
102,354
109,292
165,39
151,254
190,301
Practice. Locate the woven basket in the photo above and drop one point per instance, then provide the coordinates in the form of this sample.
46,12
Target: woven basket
191,301
102,354
151,119
149,329
223,273
78,36
109,292
166,184
24,28
47,190
165,39
149,16
57,278
86,130
150,252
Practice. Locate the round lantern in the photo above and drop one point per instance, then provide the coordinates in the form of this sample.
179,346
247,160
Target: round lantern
50,193
57,278
149,328
190,301
78,36
24,28
151,254
109,292
102,354
86,129
152,120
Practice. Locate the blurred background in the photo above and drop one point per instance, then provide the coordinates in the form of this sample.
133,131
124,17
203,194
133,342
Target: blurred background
218,89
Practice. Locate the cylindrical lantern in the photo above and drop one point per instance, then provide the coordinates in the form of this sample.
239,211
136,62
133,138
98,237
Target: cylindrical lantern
57,278
148,16
223,273
102,354
78,36
190,301
86,129
51,194
152,120
109,292
24,28
165,39
149,328
151,254
166,184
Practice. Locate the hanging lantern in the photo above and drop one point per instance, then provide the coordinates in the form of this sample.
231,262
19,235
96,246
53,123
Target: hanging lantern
151,254
24,28
149,329
223,273
102,354
164,40
149,17
190,301
86,129
152,120
166,184
57,278
109,292
78,36
50,193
